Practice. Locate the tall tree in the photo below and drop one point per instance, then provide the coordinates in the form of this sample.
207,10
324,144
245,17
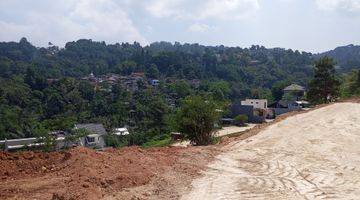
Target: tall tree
358,79
325,86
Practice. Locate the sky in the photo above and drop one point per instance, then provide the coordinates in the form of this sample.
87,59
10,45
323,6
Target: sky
306,25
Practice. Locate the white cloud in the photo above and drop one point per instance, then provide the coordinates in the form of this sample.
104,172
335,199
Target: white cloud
95,19
200,28
345,5
203,9
229,9
166,8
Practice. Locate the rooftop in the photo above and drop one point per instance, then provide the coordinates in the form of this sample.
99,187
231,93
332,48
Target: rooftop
294,87
93,128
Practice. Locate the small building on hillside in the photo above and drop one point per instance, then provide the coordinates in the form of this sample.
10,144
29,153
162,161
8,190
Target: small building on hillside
294,90
255,115
96,137
256,103
284,106
154,82
121,131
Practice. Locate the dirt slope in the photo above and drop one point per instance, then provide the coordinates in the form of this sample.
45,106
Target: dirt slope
314,155
82,173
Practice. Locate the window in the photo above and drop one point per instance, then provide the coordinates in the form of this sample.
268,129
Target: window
257,102
91,139
264,104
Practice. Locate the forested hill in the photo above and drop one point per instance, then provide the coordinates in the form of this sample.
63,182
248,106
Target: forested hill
46,89
347,57
253,67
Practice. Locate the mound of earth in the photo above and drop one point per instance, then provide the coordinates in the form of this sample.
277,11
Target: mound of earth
82,173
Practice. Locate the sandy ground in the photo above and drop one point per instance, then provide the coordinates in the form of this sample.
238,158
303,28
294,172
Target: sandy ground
314,155
222,132
234,129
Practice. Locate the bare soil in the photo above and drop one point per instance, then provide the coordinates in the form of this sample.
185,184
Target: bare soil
313,155
82,173
301,155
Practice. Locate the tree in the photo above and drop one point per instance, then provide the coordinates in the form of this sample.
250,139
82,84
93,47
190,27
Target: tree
358,79
277,90
196,118
152,71
325,86
220,90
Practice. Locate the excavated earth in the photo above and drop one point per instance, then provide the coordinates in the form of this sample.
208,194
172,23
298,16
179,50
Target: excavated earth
82,173
301,155
314,155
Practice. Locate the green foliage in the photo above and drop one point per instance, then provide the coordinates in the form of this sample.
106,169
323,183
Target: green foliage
196,118
346,56
116,141
277,89
351,84
325,86
76,134
158,143
41,88
241,120
180,88
289,97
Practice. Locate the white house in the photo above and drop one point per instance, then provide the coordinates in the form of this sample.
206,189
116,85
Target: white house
121,131
256,103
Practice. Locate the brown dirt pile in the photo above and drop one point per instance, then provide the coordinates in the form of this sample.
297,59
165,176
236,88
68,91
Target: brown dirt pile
82,173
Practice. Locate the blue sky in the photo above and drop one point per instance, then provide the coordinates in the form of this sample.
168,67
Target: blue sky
309,25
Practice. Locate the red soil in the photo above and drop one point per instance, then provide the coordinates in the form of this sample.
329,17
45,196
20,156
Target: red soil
82,173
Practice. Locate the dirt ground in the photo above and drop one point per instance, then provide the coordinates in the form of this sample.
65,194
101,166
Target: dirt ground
307,156
81,173
313,155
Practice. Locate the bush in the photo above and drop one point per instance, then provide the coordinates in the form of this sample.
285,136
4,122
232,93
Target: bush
196,118
116,141
158,143
240,120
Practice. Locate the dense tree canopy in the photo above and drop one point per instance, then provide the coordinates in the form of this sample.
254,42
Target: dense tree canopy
41,89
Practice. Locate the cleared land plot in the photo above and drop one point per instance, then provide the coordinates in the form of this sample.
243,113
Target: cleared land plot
314,155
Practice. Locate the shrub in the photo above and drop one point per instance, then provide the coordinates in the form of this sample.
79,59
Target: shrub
240,120
196,118
116,141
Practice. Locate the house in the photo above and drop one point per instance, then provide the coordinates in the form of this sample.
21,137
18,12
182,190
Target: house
154,82
131,82
255,115
175,136
295,91
256,103
96,137
94,140
121,131
285,106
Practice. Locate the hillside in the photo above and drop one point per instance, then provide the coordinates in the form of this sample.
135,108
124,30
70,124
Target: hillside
347,57
279,160
49,89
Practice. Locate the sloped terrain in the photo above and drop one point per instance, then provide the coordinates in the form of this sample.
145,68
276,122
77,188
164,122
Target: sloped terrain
314,155
82,173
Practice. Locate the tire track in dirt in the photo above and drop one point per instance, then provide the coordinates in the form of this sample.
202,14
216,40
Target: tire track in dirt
307,156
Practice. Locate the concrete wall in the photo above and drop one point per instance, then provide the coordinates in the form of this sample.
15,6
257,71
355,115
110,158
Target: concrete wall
280,111
256,103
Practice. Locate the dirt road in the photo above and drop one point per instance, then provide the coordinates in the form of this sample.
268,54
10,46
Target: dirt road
315,155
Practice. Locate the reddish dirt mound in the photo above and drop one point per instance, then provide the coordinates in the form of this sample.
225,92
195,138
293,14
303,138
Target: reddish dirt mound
82,173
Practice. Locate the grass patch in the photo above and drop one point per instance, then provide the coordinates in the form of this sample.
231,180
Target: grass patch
158,143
